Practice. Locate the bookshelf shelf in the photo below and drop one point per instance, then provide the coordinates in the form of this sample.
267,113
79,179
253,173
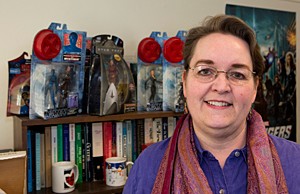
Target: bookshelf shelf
22,124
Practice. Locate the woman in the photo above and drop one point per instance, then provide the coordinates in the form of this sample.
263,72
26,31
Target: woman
221,145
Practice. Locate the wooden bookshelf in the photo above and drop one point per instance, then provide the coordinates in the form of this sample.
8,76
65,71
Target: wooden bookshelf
22,124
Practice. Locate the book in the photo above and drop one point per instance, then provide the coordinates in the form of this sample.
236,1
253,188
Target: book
89,174
134,140
72,141
171,125
140,131
164,128
97,140
114,140
78,152
42,160
148,123
60,149
119,138
54,150
157,129
107,140
124,146
129,140
83,134
37,161
29,162
66,143
48,157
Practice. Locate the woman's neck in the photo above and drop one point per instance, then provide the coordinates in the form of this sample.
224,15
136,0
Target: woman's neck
222,146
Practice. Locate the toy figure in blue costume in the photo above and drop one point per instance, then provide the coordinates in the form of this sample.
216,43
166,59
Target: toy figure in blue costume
52,87
152,79
73,37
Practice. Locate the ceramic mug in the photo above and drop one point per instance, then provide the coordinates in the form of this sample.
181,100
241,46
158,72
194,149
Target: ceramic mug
64,176
116,171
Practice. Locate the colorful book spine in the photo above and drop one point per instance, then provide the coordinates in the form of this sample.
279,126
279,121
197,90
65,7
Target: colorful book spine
60,149
66,142
140,128
129,140
134,140
72,141
83,133
97,140
78,152
42,160
114,140
29,162
119,134
124,133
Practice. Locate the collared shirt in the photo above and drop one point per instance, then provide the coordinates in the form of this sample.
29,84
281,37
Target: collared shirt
232,179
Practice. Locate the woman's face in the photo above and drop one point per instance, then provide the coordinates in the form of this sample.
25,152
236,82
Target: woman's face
218,104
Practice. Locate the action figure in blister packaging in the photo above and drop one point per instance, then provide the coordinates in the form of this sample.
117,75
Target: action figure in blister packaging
173,99
149,73
111,86
54,89
18,84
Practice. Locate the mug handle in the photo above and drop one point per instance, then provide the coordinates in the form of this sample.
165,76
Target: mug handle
75,171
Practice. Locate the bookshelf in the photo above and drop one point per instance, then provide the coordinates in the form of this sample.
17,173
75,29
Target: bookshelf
22,124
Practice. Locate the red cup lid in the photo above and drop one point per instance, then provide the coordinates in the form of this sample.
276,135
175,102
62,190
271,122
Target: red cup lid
173,50
46,45
149,50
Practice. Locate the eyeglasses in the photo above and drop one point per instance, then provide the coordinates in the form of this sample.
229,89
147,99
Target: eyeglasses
235,75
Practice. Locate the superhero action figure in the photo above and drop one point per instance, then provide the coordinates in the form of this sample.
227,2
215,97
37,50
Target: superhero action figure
52,88
65,85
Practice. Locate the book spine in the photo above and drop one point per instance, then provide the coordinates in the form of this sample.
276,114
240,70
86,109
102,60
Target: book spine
83,138
114,140
88,153
97,140
78,152
134,140
38,161
158,127
33,156
171,125
107,140
48,157
60,149
54,143
164,128
29,162
124,133
149,131
72,141
129,140
140,134
119,141
42,160
66,143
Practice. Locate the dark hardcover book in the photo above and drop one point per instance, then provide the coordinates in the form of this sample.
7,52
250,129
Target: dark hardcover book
140,130
29,162
83,128
134,140
33,158
78,151
164,128
88,153
66,143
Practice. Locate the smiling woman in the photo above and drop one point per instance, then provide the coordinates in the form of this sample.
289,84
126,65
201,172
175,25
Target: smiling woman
221,145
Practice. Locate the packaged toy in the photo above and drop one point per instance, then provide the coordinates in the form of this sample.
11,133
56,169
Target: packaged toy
150,73
173,99
18,86
111,84
57,72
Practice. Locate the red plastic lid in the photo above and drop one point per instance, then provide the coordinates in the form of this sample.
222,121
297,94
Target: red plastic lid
46,44
149,50
173,50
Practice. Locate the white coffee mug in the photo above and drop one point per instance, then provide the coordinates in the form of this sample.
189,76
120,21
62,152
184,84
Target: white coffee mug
64,176
116,171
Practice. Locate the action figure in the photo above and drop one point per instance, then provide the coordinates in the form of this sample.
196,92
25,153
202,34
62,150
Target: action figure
66,79
73,40
152,79
52,87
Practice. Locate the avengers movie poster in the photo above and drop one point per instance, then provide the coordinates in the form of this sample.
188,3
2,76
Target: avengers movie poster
276,94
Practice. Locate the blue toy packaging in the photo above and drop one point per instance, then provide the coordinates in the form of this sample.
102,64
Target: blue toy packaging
57,72
150,73
173,99
111,84
18,86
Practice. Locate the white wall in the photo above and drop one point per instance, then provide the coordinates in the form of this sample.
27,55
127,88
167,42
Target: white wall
132,20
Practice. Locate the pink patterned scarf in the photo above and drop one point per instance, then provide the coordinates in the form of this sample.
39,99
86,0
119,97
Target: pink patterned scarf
180,171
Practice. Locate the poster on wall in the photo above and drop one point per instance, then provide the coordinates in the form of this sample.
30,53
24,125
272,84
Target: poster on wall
276,95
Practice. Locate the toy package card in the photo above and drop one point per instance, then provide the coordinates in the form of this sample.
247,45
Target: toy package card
173,99
149,73
19,86
112,87
54,90
54,48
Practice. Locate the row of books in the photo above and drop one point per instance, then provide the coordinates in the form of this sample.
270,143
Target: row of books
88,145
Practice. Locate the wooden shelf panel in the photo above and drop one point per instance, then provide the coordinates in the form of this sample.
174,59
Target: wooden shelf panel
25,121
87,188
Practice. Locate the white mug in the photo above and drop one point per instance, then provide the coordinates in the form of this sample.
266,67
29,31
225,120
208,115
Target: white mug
116,171
64,176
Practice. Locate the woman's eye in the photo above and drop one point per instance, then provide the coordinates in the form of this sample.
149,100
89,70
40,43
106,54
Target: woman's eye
237,75
204,72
